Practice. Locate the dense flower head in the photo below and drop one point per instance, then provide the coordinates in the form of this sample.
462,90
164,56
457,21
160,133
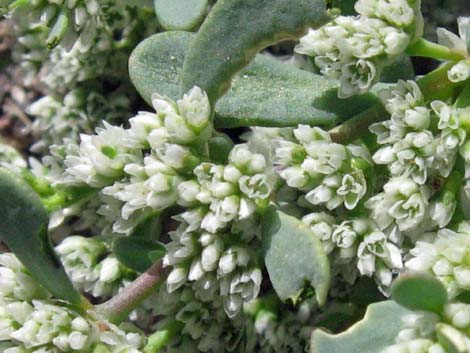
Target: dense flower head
331,174
214,265
356,49
445,258
32,321
356,242
79,111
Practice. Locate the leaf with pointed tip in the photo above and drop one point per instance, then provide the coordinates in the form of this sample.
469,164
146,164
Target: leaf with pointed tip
265,93
419,291
236,30
136,253
294,256
377,330
23,227
183,15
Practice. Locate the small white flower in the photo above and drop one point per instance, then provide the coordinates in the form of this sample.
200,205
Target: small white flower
176,278
255,187
460,71
357,77
246,161
442,209
187,120
403,202
336,189
321,225
375,248
401,97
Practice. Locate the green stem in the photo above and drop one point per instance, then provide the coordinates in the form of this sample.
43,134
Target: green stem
159,339
463,100
425,48
119,307
358,125
434,85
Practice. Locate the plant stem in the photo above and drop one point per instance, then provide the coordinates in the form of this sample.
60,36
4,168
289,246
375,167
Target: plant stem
355,127
118,308
434,85
425,48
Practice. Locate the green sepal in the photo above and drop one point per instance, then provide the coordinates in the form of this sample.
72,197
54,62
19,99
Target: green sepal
220,146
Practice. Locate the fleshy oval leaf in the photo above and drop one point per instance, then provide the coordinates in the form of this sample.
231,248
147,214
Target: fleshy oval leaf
293,256
236,30
265,93
377,330
419,291
183,15
23,227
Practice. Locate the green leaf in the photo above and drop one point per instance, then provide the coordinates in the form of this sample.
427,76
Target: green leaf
236,30
266,93
138,254
294,256
23,227
419,291
183,15
377,330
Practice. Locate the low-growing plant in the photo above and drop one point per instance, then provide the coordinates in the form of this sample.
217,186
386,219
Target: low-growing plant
320,204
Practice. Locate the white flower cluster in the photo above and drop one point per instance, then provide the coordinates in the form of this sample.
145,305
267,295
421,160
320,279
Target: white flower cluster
417,335
445,257
415,156
461,70
91,268
331,174
223,196
137,170
89,38
277,330
356,49
215,265
205,327
94,271
10,158
29,324
427,332
78,112
356,246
